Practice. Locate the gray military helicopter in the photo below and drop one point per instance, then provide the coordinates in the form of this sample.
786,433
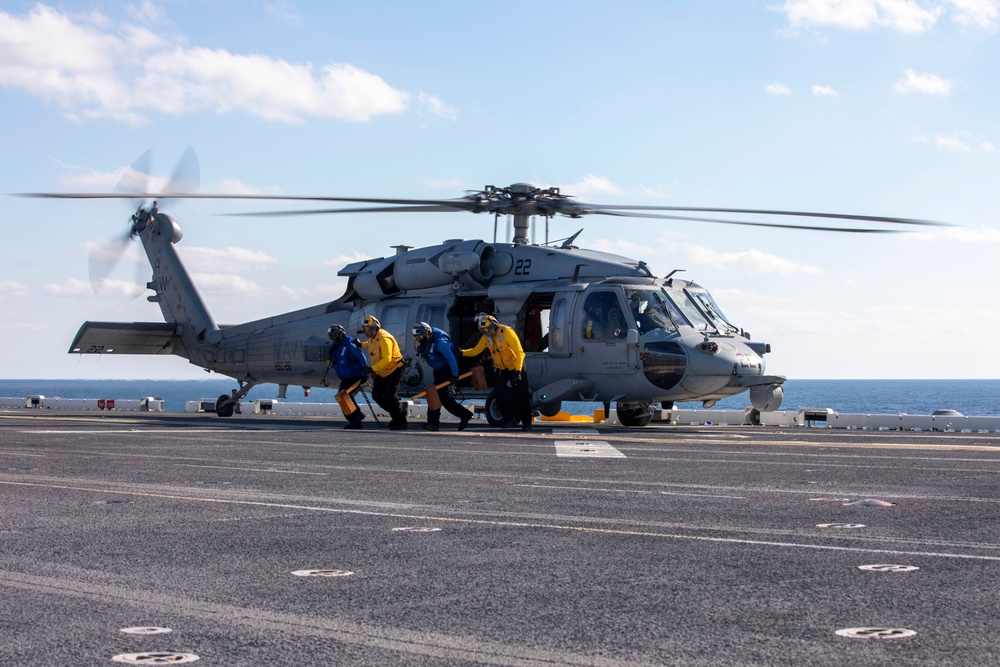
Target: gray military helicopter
595,326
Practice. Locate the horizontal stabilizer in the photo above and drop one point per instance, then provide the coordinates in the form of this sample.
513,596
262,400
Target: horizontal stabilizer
124,338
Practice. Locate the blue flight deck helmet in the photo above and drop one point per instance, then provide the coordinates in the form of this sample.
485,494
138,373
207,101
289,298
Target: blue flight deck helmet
422,331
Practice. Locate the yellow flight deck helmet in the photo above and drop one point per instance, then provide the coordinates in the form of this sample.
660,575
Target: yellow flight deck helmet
484,321
371,323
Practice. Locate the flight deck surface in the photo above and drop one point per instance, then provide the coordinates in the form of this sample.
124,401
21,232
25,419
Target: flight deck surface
281,541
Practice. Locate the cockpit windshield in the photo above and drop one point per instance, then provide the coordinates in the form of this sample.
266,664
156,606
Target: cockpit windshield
651,310
692,315
708,305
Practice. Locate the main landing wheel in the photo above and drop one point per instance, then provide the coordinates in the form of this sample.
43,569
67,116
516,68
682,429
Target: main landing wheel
492,411
633,414
225,406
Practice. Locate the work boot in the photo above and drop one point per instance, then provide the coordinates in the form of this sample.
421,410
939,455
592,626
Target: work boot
400,425
526,427
354,425
429,427
465,422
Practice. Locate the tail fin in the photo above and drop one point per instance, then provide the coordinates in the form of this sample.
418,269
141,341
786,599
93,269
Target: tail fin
178,298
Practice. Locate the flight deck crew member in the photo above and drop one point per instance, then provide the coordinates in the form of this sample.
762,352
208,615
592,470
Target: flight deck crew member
434,346
349,363
387,371
508,363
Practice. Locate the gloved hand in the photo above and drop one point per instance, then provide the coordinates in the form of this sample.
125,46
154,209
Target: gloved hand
453,379
515,376
367,370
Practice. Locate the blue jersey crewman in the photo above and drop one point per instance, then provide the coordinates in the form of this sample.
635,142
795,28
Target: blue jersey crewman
434,346
349,363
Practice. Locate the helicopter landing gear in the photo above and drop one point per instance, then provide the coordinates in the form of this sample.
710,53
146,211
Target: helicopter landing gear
550,409
225,406
492,411
634,414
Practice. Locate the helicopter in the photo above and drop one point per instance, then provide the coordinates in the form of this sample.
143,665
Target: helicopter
594,326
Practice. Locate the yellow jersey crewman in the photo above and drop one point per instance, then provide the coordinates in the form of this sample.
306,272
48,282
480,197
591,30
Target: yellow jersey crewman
508,364
387,371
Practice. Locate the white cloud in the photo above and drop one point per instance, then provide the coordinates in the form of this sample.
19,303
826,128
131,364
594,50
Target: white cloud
226,284
590,186
93,70
777,88
11,289
145,12
340,261
927,84
981,14
907,16
823,91
952,143
436,107
749,261
208,259
283,11
959,141
975,235
74,287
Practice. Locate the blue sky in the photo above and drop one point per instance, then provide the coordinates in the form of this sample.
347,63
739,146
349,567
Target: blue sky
880,107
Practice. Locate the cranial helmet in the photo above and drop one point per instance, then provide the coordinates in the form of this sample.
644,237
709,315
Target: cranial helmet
336,333
484,321
422,330
371,323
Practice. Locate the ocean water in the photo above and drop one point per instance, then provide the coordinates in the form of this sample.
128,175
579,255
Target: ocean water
915,397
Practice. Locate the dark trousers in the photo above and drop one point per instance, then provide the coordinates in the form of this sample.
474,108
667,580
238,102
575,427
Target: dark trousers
346,384
513,396
385,391
448,400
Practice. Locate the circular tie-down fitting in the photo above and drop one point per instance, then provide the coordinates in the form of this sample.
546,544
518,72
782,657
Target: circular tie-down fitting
155,658
876,633
888,567
322,573
149,630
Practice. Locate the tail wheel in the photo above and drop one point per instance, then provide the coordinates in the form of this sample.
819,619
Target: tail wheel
225,406
634,414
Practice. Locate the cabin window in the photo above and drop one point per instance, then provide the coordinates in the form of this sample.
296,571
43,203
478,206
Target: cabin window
394,320
434,315
557,326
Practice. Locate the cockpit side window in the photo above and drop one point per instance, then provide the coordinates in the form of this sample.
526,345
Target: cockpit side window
603,318
650,310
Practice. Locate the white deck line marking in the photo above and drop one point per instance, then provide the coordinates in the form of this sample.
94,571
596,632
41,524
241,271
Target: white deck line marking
516,524
576,432
597,449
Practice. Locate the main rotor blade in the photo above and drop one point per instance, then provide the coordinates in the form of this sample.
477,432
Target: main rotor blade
320,211
751,211
815,228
